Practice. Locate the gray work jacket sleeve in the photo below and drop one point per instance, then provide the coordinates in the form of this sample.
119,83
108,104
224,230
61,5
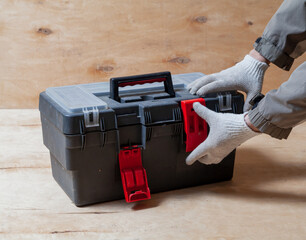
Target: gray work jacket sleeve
283,40
283,108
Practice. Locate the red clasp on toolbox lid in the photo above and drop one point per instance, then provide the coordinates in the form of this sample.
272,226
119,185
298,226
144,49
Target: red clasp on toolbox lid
133,175
195,127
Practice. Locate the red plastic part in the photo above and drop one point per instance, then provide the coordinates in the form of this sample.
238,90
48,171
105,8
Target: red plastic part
133,175
132,83
195,127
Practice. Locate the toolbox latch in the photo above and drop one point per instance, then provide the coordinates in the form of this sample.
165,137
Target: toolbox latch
195,127
225,102
133,175
91,117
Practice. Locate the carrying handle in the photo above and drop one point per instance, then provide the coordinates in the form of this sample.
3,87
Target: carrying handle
164,77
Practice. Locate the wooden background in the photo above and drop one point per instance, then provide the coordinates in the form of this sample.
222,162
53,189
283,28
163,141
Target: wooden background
53,43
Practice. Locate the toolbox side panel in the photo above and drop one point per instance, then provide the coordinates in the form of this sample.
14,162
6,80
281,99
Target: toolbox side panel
66,123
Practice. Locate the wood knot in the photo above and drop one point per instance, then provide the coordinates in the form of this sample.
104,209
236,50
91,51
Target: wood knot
181,60
201,19
45,31
250,23
106,68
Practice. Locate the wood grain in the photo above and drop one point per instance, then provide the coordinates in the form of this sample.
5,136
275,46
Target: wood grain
54,43
265,200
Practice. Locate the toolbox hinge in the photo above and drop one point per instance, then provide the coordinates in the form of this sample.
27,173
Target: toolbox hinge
91,117
133,175
195,127
225,102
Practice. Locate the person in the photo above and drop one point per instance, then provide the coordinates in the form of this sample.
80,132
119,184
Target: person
283,40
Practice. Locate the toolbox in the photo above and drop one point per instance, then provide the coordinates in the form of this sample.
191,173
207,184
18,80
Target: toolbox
130,137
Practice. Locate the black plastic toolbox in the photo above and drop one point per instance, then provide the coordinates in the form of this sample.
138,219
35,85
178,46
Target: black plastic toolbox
129,137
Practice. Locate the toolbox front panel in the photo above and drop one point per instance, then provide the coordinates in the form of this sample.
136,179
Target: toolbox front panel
98,177
88,186
199,174
165,162
96,180
159,159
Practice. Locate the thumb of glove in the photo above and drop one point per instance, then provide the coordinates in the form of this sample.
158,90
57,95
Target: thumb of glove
204,112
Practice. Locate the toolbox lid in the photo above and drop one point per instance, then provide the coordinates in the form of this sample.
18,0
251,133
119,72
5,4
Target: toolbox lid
75,108
75,98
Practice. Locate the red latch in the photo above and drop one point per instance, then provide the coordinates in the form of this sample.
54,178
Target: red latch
133,175
195,127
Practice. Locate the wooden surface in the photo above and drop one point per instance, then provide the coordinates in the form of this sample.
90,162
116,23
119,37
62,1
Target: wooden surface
55,43
265,200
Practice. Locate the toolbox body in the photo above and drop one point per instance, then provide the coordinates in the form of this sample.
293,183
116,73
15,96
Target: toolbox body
86,127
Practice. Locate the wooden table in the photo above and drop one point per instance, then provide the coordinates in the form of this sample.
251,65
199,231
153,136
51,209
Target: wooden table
265,200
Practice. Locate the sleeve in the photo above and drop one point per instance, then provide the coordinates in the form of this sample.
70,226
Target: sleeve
282,109
284,38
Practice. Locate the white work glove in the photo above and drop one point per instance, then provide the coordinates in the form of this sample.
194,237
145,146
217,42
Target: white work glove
246,76
227,131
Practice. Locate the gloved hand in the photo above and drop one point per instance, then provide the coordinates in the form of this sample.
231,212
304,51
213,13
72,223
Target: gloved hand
227,131
246,76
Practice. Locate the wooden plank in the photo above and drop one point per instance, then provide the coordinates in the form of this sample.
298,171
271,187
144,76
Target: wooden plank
54,43
21,132
265,200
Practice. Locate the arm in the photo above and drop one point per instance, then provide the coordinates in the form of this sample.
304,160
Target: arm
283,108
284,38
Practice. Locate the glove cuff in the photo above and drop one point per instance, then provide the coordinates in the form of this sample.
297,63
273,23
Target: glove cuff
238,128
254,67
249,132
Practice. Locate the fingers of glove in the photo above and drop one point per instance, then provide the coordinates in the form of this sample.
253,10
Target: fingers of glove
203,149
199,152
217,86
201,82
190,85
208,115
209,159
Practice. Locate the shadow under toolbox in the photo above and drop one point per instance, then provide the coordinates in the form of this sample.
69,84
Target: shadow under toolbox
105,146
